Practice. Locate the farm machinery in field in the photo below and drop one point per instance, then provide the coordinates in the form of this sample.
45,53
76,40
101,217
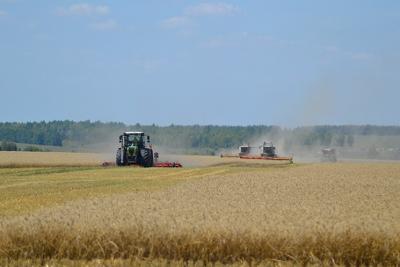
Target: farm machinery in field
267,151
328,155
136,149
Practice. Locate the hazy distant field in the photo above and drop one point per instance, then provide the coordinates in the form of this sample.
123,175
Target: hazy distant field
40,159
72,159
226,211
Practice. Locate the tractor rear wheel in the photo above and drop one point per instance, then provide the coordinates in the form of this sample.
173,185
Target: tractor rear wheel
118,157
147,157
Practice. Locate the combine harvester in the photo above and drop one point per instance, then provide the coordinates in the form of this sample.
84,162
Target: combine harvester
267,151
136,149
328,155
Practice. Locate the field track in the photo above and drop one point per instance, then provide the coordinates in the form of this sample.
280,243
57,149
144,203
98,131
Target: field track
230,212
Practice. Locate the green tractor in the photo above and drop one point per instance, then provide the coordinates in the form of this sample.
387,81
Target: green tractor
135,149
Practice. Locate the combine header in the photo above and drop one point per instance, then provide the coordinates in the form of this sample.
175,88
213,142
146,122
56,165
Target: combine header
136,149
267,151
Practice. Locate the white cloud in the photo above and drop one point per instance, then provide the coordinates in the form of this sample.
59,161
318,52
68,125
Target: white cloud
230,40
331,49
203,9
2,13
174,22
106,25
213,43
360,56
149,65
83,9
211,9
349,54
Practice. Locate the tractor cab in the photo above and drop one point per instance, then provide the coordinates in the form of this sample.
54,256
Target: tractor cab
134,139
268,150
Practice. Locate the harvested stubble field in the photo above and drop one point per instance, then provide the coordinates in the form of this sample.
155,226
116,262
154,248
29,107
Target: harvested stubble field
234,212
48,159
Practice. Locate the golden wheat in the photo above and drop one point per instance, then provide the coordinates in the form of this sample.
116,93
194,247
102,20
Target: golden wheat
305,214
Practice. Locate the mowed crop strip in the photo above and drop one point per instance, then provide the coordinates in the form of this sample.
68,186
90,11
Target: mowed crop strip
320,213
23,190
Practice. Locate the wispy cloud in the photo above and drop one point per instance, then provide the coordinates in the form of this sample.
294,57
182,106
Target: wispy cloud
211,9
361,56
230,40
213,43
149,65
203,9
174,22
331,49
107,25
355,55
2,13
83,9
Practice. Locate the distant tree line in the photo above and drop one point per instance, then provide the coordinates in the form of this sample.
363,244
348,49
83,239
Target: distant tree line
195,138
8,146
12,146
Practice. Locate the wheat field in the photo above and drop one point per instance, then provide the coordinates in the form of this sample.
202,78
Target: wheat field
231,212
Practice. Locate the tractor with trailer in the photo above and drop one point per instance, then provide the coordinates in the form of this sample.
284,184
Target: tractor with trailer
135,149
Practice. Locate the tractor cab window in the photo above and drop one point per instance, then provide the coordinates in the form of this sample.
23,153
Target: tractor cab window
134,138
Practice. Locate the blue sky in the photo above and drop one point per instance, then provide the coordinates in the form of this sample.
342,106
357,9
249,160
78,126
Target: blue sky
286,63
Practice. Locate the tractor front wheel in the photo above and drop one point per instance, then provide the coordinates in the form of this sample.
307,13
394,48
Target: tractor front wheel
147,157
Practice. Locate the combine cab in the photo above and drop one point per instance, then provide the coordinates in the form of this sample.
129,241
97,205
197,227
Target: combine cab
244,150
328,155
268,150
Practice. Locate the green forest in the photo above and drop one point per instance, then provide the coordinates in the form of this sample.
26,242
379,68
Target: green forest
197,139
